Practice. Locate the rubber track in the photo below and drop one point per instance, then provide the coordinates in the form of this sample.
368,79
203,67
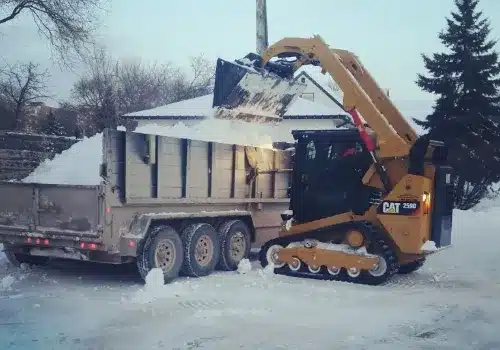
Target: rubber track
413,266
383,246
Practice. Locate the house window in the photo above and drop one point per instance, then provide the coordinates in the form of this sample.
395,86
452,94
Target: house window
308,96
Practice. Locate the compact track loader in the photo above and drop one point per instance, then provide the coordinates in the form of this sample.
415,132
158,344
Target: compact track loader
366,202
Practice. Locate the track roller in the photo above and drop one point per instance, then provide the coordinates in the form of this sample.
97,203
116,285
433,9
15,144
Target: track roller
295,265
353,272
314,268
334,271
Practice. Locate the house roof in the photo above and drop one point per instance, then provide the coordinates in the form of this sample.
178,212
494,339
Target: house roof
201,108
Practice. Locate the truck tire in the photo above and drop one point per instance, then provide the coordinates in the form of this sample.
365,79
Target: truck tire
201,250
413,266
162,249
235,244
17,259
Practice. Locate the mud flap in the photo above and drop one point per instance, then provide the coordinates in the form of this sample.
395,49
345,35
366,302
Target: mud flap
243,91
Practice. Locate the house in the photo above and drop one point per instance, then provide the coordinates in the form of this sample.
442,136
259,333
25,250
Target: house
409,108
316,93
301,114
39,109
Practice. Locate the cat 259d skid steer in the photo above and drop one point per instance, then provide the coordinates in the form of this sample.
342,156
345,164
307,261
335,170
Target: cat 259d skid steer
366,202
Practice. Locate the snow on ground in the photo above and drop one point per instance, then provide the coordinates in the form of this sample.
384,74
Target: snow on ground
452,303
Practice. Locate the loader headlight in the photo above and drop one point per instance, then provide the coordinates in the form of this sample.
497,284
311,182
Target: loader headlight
426,202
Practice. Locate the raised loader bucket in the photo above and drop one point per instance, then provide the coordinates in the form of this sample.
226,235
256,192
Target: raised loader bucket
244,91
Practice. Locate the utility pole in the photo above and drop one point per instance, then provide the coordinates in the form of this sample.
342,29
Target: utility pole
261,27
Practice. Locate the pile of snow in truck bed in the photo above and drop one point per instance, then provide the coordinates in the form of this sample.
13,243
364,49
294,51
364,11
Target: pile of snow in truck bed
79,165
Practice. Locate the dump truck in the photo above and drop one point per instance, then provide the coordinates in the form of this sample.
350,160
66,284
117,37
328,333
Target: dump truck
185,206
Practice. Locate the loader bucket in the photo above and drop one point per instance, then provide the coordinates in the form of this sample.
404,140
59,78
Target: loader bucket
244,91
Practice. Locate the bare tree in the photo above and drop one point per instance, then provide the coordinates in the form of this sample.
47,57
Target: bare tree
68,25
21,84
141,86
201,82
96,90
111,88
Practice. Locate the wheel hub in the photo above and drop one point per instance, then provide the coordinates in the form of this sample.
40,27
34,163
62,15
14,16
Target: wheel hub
204,250
237,246
295,265
165,255
353,272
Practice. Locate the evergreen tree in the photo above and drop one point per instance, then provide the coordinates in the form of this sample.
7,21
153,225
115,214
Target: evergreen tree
466,80
52,126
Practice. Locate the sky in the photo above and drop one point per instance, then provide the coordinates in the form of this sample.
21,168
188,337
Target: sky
388,36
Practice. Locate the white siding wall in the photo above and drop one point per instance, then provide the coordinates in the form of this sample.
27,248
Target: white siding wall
312,93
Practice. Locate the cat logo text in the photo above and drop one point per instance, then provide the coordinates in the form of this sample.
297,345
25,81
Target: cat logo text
398,208
390,207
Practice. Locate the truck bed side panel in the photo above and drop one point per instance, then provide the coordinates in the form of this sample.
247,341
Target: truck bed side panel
170,167
167,168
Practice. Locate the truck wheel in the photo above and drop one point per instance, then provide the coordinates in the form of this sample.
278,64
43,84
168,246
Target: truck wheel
413,266
162,249
17,259
235,244
201,250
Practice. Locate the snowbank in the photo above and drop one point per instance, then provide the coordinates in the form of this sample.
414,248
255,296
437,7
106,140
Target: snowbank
79,165
3,258
490,202
244,266
6,283
154,279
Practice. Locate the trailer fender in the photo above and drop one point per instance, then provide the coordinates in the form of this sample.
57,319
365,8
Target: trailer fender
132,239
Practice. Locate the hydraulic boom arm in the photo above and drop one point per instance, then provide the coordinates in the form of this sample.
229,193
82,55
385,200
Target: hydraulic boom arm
361,92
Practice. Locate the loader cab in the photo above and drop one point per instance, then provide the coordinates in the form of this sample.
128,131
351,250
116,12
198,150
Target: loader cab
327,174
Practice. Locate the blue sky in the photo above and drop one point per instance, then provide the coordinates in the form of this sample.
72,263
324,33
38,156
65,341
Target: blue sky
387,35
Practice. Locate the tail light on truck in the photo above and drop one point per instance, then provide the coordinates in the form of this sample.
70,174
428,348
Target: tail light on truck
38,241
91,246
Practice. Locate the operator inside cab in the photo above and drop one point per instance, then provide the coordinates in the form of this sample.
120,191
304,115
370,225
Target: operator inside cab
349,151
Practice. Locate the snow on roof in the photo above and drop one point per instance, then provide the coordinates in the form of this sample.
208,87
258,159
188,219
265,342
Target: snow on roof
202,107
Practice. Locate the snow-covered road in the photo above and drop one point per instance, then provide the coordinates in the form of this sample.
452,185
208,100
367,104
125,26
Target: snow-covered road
452,303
